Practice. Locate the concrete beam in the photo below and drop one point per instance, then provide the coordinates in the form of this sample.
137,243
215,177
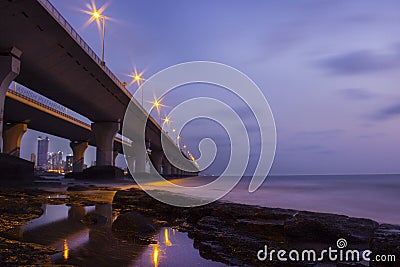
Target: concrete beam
12,136
104,133
10,64
78,150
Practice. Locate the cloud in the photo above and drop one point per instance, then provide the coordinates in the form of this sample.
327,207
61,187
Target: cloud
362,61
321,133
387,113
356,94
309,148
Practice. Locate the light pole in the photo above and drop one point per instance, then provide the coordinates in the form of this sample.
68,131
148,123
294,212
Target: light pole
103,63
97,15
102,19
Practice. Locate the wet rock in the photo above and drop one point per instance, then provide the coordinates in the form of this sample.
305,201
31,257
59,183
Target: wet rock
132,225
74,188
94,219
234,233
386,241
322,227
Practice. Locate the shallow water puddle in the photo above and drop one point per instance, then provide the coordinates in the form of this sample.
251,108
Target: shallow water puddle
60,227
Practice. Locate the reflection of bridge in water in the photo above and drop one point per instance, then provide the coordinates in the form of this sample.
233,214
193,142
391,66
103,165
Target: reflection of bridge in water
60,67
60,227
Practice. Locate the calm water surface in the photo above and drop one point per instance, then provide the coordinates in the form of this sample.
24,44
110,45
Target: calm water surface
60,228
367,196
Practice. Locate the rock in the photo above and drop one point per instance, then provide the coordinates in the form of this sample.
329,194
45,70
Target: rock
94,219
132,225
323,227
386,241
234,233
78,188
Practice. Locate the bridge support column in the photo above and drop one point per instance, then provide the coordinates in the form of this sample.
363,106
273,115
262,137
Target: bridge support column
12,136
174,171
166,168
115,155
78,150
140,162
130,162
9,69
156,158
104,133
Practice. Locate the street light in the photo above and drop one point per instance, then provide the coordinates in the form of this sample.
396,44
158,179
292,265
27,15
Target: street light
157,104
97,15
137,78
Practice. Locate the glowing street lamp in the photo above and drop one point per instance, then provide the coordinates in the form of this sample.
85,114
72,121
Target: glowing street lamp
137,78
167,120
157,104
97,15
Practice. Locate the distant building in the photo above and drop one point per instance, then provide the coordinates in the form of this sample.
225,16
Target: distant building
52,161
69,161
59,160
43,150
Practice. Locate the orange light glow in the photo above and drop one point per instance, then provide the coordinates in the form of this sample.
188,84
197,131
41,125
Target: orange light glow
156,255
65,250
166,238
157,104
167,120
178,137
136,77
96,14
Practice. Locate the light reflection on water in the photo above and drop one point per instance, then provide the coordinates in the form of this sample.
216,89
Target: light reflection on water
60,227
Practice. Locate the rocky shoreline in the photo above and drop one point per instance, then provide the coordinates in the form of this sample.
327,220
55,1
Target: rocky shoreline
225,232
233,233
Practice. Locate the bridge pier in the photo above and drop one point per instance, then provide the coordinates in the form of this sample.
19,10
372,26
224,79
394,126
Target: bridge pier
78,150
140,162
156,158
166,167
9,69
115,155
12,136
174,171
104,133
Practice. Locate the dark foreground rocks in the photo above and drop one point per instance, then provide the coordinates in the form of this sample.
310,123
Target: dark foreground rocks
133,226
234,233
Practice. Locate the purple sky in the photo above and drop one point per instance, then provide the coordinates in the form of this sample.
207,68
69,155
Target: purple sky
329,69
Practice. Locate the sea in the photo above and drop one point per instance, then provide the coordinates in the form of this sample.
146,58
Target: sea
375,196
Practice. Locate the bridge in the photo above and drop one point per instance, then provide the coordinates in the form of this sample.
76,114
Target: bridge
41,51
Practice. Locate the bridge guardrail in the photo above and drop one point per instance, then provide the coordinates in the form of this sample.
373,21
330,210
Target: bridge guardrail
55,110
63,22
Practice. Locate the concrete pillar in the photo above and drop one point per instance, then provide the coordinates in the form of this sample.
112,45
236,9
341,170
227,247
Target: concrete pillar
174,171
9,69
130,162
115,155
166,167
104,133
140,161
12,136
156,158
78,150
